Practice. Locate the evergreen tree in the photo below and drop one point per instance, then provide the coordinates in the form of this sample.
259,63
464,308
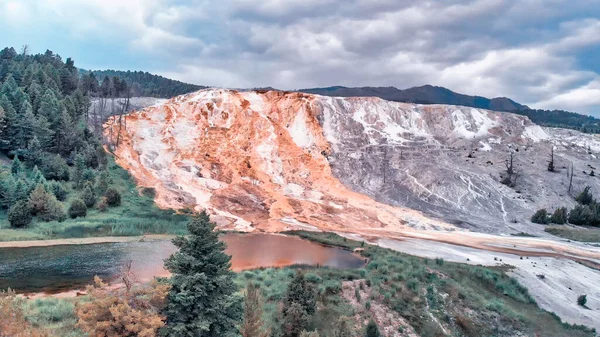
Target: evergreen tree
78,170
39,200
37,177
299,304
102,182
253,325
22,190
559,216
585,197
88,196
35,153
19,215
17,167
56,168
113,197
202,300
372,330
540,217
57,189
301,291
54,212
295,320
7,190
77,209
581,215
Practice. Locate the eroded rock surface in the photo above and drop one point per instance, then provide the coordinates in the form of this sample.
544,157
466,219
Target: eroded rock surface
275,160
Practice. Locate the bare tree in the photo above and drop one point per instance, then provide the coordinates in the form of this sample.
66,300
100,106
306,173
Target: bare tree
127,275
551,162
25,50
570,178
511,174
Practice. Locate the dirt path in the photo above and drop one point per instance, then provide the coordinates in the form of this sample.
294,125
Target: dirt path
521,246
83,241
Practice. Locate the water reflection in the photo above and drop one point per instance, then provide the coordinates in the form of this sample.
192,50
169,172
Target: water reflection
62,268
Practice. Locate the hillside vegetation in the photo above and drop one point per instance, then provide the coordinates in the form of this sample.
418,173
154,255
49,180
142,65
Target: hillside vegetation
56,180
394,293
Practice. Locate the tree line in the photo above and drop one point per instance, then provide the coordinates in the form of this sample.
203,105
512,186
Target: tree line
562,119
146,84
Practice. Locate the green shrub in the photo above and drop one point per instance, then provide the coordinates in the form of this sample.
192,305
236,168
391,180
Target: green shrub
559,216
19,215
582,300
585,197
541,217
372,330
113,197
313,278
149,192
77,209
581,215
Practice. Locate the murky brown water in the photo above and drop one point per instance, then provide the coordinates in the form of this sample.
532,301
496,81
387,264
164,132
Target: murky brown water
62,268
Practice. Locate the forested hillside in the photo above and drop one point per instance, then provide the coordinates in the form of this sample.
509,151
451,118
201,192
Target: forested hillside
148,85
52,162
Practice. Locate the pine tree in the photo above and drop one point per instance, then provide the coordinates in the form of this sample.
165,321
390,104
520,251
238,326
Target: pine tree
17,167
19,214
302,292
253,325
299,304
295,320
37,177
7,190
88,196
372,330
78,170
39,200
202,300
102,182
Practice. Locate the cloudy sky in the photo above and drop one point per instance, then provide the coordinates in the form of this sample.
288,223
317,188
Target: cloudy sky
544,53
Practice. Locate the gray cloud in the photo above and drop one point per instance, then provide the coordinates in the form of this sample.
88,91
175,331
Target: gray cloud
528,50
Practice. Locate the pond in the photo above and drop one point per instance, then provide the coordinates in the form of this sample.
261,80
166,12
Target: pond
56,269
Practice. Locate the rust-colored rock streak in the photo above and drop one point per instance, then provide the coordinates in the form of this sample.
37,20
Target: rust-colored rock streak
252,159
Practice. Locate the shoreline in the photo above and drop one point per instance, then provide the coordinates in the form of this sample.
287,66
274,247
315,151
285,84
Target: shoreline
84,241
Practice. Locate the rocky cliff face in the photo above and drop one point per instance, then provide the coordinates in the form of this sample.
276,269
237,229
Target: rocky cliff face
274,160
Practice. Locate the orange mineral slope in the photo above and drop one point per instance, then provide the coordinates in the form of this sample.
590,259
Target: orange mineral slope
252,159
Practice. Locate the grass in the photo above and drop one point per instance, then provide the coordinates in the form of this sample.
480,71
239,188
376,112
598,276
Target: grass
55,315
137,215
485,301
468,300
583,234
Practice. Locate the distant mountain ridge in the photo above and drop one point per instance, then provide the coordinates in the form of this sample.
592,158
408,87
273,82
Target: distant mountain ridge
426,94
